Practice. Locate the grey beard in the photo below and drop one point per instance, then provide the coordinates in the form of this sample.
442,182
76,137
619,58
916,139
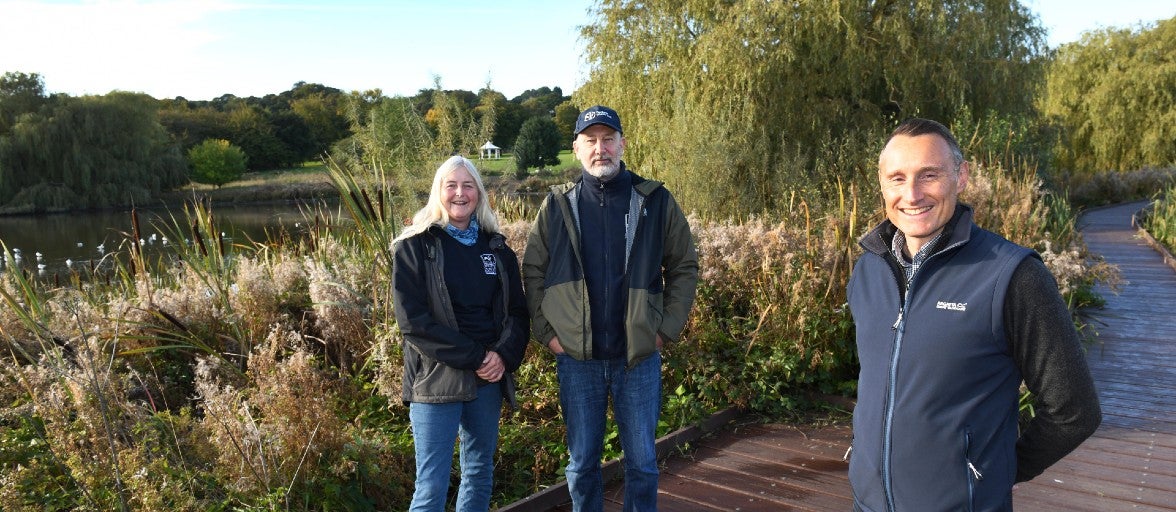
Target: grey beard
604,173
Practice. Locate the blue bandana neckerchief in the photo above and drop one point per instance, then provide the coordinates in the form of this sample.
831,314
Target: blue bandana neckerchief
466,236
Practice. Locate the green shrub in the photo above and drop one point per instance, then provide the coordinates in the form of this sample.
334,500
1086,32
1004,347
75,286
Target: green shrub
216,162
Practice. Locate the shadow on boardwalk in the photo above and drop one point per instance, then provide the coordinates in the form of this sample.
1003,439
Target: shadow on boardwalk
1129,463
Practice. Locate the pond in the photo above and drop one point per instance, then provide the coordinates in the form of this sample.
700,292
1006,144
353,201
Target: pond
58,244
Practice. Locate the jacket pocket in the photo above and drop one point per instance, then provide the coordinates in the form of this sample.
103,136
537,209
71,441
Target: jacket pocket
973,474
436,382
656,311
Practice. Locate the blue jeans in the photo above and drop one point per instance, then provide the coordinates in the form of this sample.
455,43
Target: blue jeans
584,391
435,427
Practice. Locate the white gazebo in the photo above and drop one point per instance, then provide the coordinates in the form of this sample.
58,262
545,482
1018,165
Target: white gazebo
489,150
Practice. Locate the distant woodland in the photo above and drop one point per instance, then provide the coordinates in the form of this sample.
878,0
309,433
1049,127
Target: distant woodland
734,105
59,152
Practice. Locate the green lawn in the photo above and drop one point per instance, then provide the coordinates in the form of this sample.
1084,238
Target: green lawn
505,166
308,172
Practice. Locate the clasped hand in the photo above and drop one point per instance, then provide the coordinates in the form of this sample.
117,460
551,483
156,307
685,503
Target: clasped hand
492,367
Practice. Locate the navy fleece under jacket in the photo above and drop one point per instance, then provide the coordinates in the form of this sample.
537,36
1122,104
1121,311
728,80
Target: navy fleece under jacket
604,207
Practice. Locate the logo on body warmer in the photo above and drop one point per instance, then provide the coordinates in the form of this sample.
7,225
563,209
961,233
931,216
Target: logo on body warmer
952,306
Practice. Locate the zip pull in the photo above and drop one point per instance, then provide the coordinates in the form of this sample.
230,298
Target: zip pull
845,458
897,321
975,472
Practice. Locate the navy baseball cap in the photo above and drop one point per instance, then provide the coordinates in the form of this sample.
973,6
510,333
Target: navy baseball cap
598,114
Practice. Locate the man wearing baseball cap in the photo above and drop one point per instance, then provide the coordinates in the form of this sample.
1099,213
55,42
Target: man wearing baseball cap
610,272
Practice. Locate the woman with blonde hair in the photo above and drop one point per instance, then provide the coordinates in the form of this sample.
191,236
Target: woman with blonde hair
459,303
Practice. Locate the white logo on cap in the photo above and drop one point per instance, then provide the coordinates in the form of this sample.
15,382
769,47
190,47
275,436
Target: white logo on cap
592,115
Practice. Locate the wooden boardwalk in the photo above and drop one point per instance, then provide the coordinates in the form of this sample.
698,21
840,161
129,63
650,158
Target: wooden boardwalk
1128,465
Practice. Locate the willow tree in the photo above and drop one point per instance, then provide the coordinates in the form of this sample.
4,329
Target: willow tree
88,152
1113,94
20,93
736,102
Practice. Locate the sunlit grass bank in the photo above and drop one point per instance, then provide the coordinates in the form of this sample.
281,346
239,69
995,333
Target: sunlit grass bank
308,181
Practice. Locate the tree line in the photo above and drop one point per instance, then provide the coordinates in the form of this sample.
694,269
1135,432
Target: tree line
59,152
740,105
736,104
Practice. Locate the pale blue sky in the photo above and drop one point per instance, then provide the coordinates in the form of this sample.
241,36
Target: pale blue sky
201,49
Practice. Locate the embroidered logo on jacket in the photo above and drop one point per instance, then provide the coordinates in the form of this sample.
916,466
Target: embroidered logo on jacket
488,265
952,306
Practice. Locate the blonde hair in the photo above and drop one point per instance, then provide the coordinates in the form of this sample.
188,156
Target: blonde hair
434,213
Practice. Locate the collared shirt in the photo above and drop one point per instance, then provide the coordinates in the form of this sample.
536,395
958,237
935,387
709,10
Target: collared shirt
911,266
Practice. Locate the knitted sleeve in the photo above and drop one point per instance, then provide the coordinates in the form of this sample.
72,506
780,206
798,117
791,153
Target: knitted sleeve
1048,350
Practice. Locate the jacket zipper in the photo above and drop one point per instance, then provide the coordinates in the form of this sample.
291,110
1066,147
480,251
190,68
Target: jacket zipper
899,328
607,227
888,421
973,474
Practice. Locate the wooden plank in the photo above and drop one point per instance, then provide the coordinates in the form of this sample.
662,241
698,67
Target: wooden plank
1097,469
1046,499
1150,443
1164,393
1146,401
722,498
756,481
1130,468
830,443
1104,374
1122,457
770,463
1123,342
1084,488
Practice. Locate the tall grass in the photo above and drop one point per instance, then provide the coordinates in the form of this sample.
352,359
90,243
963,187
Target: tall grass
1160,221
266,375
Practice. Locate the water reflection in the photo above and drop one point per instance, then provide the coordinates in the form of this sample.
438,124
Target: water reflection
58,244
